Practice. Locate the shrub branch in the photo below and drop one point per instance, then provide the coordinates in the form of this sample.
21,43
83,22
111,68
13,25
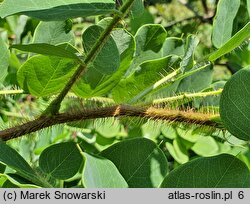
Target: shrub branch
152,113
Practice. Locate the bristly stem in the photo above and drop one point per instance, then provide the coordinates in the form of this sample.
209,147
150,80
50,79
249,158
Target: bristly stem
187,96
163,80
54,107
189,117
166,81
6,92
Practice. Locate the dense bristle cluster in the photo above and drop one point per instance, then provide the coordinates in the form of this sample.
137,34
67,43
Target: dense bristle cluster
152,113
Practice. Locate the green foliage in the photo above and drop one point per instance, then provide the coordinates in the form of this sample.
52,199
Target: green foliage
223,23
125,45
140,93
57,10
61,161
232,43
57,33
101,173
222,172
43,76
4,53
12,159
144,75
135,158
234,110
63,50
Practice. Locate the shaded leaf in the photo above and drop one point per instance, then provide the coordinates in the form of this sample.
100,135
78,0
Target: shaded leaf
15,181
108,59
234,107
4,59
140,162
220,171
137,21
126,45
173,46
197,81
106,62
188,58
12,159
61,161
149,41
137,8
248,7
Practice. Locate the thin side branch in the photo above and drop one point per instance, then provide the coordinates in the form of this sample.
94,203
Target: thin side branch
54,107
112,111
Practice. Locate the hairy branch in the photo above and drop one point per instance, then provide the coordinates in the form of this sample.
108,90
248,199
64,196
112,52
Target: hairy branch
112,111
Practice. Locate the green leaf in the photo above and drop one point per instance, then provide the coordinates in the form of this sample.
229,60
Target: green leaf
173,46
240,57
188,59
14,182
141,163
126,46
205,146
212,101
137,21
44,76
108,128
150,130
234,107
177,151
145,76
2,167
223,23
188,134
57,9
51,50
169,132
105,63
149,41
12,159
197,81
232,43
53,33
220,171
4,59
100,172
61,161
137,8
108,59
248,7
